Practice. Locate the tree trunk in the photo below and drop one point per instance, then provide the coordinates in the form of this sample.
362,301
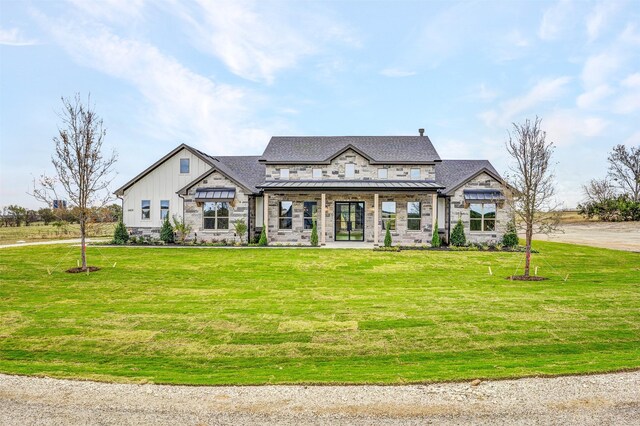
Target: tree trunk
82,242
528,237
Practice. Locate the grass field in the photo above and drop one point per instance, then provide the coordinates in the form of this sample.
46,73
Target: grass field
253,316
41,232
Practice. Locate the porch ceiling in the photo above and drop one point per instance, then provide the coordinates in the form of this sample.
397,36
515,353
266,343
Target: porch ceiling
353,185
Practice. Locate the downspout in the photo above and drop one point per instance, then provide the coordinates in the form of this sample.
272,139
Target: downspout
249,198
447,205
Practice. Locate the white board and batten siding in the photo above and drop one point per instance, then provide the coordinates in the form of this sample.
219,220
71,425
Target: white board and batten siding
160,184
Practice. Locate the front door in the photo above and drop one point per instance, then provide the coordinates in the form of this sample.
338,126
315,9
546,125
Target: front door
349,224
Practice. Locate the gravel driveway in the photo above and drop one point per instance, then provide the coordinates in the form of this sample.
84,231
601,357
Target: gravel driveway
612,399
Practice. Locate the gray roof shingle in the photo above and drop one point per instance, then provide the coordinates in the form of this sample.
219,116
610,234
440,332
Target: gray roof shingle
379,149
452,173
246,169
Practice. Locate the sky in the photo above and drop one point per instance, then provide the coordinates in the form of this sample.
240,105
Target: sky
225,76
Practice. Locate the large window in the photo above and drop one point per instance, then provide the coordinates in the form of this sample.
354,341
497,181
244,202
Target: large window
415,174
310,213
285,216
349,170
317,173
382,173
284,173
216,215
184,165
164,209
389,214
413,215
482,217
146,209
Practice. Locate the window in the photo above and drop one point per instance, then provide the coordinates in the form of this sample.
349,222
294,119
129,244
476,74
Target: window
349,170
389,214
310,213
285,215
184,165
482,217
413,215
164,209
415,174
317,173
284,173
215,215
382,173
146,209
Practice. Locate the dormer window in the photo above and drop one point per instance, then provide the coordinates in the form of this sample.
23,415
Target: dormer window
415,174
184,165
284,174
349,170
382,173
316,173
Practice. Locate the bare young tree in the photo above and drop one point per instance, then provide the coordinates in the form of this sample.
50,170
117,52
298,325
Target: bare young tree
531,181
82,173
598,190
624,168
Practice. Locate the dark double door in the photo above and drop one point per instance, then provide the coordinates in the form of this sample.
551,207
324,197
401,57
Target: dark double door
349,224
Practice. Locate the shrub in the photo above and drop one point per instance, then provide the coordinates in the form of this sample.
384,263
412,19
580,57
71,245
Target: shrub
314,234
120,234
387,236
263,236
458,238
510,238
241,228
617,209
166,232
435,239
181,228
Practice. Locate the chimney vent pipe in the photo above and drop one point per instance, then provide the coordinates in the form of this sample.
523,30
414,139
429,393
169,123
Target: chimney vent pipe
421,131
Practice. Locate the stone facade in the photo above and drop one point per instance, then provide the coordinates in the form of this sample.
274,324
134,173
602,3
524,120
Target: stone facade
363,170
400,235
238,209
460,209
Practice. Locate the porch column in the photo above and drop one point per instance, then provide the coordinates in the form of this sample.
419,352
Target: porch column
434,212
323,235
376,227
265,219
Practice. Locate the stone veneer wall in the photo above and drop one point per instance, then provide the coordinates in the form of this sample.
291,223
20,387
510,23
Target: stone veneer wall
300,235
238,209
363,170
460,210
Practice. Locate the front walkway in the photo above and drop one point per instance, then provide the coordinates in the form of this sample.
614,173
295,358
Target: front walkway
42,243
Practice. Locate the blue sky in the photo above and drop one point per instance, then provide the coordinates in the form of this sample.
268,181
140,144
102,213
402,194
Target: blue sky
224,76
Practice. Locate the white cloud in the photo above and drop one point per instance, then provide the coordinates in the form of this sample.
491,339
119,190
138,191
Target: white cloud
629,101
544,91
14,37
599,18
565,127
116,11
632,81
630,35
395,72
483,93
633,140
599,68
593,98
556,20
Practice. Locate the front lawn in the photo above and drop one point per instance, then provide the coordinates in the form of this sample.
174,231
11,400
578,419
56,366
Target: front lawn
252,316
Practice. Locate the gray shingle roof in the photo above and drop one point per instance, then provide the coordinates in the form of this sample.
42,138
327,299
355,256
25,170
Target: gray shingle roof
452,173
246,169
379,149
351,184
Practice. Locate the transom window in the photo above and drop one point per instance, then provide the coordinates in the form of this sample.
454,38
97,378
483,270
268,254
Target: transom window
349,170
215,215
184,165
382,173
415,174
482,217
317,173
285,215
413,215
146,209
164,209
284,173
310,213
389,214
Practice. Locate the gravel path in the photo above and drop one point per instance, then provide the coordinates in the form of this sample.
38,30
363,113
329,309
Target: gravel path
608,399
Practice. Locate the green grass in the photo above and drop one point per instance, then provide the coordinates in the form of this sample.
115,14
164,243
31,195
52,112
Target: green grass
252,316
41,232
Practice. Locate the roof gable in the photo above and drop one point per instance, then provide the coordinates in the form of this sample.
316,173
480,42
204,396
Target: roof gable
454,173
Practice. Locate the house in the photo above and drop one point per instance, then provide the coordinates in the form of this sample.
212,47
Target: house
353,186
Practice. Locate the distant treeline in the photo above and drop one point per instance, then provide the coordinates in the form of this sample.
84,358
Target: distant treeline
15,215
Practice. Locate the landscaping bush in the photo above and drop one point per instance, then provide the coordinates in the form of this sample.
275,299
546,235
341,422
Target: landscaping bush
166,232
458,238
435,239
120,234
387,236
617,209
181,228
314,234
510,238
263,237
241,228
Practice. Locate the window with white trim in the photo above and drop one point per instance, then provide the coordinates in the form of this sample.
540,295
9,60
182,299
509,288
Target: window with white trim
284,173
415,174
310,213
482,217
285,215
414,214
215,215
164,209
316,173
383,173
388,215
146,209
184,165
349,170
